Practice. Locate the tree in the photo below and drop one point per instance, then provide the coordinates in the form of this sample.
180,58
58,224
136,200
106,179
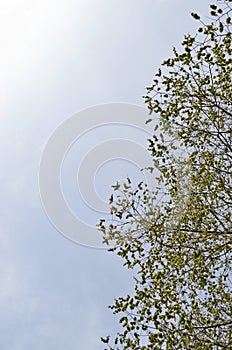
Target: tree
180,249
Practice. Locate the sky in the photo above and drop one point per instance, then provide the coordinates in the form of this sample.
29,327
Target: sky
59,58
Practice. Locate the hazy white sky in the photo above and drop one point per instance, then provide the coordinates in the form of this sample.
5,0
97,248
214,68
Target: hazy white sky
58,57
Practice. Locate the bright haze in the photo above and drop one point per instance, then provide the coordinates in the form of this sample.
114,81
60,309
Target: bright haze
57,58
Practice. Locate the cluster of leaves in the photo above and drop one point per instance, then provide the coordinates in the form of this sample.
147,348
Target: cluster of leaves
181,249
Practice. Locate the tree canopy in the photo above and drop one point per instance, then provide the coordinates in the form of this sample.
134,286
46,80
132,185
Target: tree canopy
180,248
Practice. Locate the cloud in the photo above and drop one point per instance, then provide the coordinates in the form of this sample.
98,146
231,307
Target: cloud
58,57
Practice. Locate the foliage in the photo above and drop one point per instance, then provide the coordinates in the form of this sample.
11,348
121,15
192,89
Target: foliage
180,249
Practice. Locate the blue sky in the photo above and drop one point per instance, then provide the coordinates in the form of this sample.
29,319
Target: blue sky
57,58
